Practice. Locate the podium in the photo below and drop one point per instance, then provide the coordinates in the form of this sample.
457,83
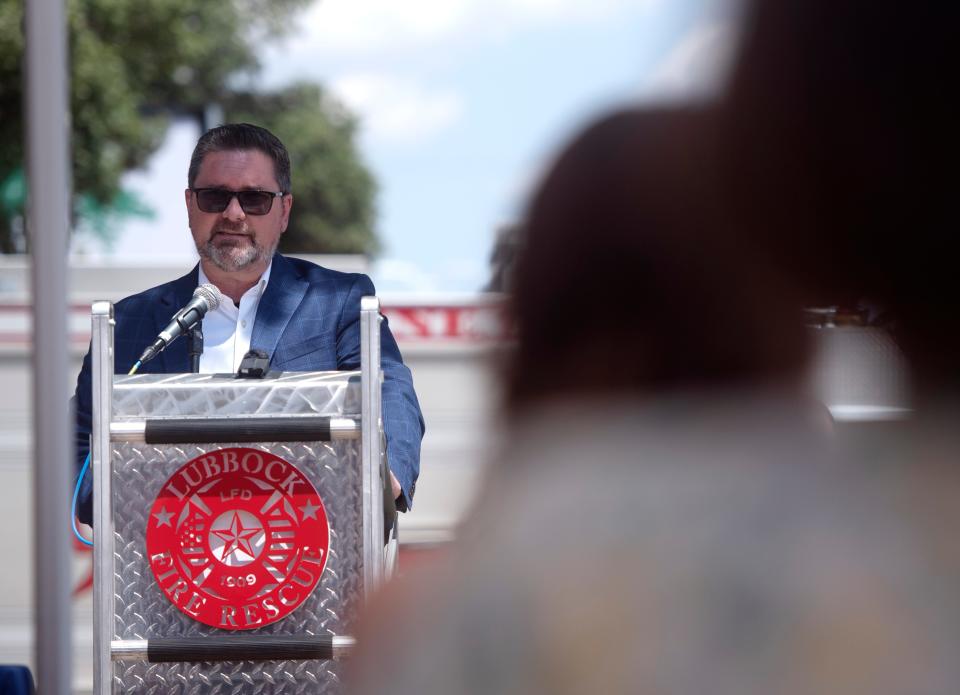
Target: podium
238,523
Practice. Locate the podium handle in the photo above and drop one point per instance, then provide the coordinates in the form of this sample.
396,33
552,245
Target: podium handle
237,429
232,648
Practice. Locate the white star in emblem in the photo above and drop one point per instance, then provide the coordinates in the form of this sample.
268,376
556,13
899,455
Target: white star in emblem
309,510
237,538
163,517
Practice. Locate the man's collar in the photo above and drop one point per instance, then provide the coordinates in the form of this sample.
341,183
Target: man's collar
261,283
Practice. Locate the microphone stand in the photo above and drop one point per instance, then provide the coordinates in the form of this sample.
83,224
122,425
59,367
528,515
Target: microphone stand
196,347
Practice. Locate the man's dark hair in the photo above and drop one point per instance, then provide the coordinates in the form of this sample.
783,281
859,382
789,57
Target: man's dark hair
242,136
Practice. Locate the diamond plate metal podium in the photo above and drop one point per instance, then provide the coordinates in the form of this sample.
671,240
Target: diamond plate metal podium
324,425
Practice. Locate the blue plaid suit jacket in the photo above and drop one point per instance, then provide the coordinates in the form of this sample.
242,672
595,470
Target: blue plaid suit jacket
307,320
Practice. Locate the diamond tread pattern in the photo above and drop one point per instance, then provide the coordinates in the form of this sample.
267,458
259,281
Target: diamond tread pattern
141,609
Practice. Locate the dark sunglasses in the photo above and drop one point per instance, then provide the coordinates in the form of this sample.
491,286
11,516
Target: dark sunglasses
251,202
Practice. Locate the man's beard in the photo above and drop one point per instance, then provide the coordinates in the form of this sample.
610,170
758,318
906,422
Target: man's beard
233,257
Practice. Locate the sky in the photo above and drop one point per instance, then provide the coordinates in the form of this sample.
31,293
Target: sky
462,104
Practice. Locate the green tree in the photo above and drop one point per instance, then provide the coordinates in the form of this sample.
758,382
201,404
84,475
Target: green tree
333,191
132,63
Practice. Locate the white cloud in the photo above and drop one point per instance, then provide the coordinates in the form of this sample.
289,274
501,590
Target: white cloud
697,65
338,26
395,110
342,41
560,11
375,27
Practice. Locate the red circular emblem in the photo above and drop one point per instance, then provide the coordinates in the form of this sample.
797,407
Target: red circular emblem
237,538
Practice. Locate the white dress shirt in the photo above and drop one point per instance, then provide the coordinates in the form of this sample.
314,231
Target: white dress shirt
227,330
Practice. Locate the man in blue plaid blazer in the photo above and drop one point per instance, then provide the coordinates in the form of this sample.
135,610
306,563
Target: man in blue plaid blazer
307,318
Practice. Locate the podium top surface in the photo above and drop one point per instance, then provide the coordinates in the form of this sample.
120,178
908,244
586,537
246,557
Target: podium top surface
209,395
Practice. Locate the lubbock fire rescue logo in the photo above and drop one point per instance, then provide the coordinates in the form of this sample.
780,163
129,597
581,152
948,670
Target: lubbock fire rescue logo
237,538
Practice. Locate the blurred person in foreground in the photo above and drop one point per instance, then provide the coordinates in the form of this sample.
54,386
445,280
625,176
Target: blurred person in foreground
664,516
840,138
840,141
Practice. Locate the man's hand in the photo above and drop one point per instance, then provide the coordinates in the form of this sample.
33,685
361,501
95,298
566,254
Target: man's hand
395,484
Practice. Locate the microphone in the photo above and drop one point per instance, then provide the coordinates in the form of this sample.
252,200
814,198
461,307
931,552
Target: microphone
206,298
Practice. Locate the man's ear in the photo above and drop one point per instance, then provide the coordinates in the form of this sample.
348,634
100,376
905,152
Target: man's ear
186,198
287,206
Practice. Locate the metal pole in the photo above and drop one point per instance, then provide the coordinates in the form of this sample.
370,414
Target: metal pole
101,355
46,121
371,427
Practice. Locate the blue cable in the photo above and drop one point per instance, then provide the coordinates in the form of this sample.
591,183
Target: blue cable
76,494
83,472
